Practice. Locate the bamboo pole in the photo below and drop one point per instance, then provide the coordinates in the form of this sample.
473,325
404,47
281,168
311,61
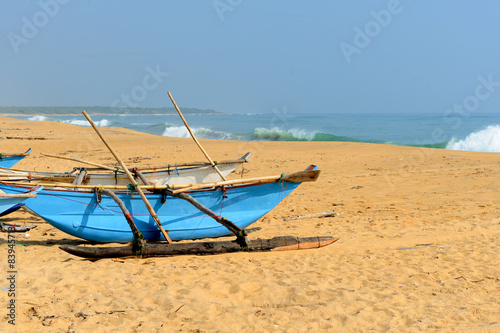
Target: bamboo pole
102,166
194,137
297,177
147,168
195,164
131,178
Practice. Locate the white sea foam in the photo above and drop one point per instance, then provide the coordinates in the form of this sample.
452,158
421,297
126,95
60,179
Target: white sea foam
38,118
276,134
182,132
486,140
84,123
176,131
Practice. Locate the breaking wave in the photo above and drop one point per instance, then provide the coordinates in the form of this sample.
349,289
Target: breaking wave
84,123
204,133
38,118
485,140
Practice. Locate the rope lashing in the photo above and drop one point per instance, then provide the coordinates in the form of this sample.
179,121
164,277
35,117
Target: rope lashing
281,179
98,195
139,244
241,239
116,175
132,188
164,195
223,190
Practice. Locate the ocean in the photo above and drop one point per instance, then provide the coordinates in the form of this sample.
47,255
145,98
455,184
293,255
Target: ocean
473,132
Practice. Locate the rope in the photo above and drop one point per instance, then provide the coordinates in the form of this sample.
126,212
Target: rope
98,195
280,180
224,191
1,157
132,188
116,175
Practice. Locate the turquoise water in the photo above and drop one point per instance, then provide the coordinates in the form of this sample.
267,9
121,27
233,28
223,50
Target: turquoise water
475,132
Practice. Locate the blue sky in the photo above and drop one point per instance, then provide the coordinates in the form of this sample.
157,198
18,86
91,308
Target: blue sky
252,56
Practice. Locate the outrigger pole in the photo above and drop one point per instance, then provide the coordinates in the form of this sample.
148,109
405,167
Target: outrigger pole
194,138
131,178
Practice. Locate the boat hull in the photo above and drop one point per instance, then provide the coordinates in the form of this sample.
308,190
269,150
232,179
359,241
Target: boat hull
82,214
10,202
10,161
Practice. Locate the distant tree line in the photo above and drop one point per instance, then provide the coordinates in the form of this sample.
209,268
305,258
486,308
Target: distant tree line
34,110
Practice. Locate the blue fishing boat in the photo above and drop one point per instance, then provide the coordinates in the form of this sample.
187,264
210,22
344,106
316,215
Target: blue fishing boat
10,202
9,160
83,213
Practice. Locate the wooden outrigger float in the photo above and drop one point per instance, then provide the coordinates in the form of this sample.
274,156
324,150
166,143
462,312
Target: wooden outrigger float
279,243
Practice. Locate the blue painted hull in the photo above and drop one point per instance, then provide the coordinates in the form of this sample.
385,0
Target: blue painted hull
9,162
10,205
78,213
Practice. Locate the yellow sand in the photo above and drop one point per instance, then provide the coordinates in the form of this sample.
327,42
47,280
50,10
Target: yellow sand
418,251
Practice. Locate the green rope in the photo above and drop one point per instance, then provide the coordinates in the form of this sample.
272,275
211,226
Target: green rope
116,175
132,188
280,180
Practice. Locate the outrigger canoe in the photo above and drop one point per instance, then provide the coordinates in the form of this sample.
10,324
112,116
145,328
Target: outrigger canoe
187,173
10,202
9,160
82,212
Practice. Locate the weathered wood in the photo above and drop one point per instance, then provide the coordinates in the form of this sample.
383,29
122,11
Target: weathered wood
5,155
296,177
141,176
312,216
304,176
8,227
194,138
18,195
193,164
280,243
131,178
240,233
80,177
138,237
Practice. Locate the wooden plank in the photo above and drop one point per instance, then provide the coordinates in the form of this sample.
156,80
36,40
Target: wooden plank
279,243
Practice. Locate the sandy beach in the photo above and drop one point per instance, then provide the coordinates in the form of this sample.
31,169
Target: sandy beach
418,248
